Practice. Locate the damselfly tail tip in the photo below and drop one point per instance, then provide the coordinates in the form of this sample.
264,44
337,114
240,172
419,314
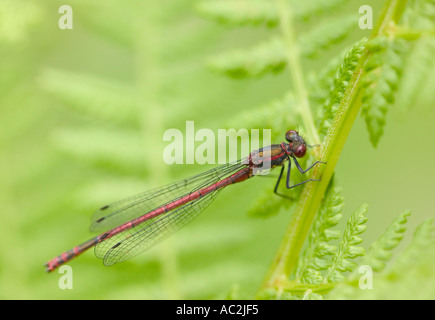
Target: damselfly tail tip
49,266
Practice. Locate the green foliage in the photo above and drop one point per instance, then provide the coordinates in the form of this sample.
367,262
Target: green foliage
83,114
409,276
420,14
326,35
327,271
257,12
240,12
339,85
314,259
265,57
266,116
379,63
421,244
17,20
315,8
383,71
270,56
322,262
419,66
381,79
380,251
92,96
349,248
267,205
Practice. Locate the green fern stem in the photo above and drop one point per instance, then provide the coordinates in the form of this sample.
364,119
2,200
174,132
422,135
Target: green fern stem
295,67
288,253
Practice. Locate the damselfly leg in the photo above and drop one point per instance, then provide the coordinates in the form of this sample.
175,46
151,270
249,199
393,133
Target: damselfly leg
288,186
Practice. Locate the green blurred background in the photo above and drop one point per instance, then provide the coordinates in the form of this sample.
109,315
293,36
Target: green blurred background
82,116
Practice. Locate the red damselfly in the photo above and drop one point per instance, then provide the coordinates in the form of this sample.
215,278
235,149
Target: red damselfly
135,224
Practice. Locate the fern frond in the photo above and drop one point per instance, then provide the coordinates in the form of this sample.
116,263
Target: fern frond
240,12
261,12
310,295
98,17
265,57
270,56
274,294
349,247
304,10
265,116
92,96
420,14
418,67
326,34
339,86
409,275
380,251
313,259
268,204
320,81
423,240
380,82
122,153
372,69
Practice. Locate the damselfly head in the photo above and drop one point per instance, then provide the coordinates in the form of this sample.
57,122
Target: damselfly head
296,142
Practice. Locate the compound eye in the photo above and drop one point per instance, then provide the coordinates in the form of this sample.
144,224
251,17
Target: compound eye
300,151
